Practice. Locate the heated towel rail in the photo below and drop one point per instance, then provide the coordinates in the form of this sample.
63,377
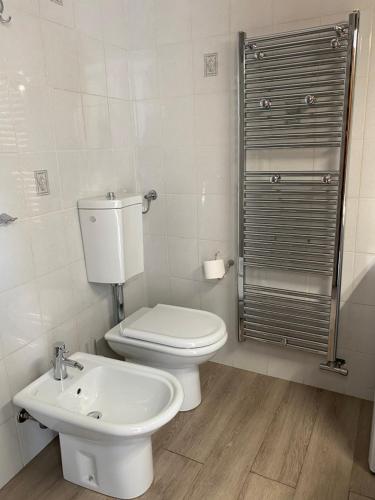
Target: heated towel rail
295,93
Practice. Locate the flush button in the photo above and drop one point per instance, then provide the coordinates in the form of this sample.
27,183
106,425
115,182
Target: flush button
92,218
110,195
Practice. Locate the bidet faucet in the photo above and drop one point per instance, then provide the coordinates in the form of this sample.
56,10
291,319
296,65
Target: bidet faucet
60,362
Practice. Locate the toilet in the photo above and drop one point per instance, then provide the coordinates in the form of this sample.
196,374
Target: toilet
176,339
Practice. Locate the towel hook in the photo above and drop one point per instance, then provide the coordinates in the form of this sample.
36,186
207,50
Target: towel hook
3,20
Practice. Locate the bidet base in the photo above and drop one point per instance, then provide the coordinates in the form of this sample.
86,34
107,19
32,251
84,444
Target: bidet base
190,380
122,470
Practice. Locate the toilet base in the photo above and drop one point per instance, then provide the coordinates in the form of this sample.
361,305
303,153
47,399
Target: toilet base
122,470
190,380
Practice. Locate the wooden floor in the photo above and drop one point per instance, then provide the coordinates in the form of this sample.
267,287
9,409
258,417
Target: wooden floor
252,438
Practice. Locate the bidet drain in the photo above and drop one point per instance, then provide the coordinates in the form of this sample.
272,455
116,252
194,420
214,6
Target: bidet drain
95,414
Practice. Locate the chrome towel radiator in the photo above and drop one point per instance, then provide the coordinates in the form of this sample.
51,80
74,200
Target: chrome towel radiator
295,95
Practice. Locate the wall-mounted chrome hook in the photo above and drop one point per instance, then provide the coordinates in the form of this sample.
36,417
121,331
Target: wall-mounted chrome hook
150,196
6,219
4,20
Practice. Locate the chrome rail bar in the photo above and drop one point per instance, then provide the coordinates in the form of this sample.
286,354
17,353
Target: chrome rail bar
298,43
302,85
250,59
291,34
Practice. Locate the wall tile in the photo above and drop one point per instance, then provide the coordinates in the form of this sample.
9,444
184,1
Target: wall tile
61,14
22,50
173,21
69,125
158,289
16,265
140,23
367,177
92,324
6,407
92,66
10,452
211,119
21,320
56,298
245,16
149,167
156,254
214,217
121,114
11,186
48,243
366,226
101,171
32,115
147,122
210,17
179,170
213,167
176,69
66,332
27,364
182,217
116,60
185,293
115,26
183,258
73,175
178,121
143,74
88,17
96,119
61,49
123,161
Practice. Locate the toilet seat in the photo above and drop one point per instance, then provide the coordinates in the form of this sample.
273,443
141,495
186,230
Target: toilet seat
175,327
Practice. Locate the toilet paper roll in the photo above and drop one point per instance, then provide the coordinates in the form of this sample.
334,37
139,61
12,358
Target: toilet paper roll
213,269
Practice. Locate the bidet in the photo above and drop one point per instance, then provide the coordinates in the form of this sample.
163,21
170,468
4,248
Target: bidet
105,416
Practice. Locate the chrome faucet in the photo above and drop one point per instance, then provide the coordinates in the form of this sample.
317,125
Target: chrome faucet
60,362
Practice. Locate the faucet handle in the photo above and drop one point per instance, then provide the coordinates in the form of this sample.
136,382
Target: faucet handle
59,348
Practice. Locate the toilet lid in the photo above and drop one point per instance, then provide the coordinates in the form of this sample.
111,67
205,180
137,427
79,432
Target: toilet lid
176,327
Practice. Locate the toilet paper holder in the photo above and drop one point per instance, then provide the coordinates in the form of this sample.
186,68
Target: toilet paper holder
210,274
228,264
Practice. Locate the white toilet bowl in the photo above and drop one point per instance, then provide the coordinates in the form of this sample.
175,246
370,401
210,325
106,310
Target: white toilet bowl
176,339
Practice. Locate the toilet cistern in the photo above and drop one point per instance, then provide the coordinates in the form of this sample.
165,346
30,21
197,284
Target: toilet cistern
60,362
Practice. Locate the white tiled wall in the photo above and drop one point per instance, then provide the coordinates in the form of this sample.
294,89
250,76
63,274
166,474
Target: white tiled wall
186,128
64,107
111,94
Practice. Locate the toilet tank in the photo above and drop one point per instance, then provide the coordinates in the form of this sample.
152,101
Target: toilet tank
112,236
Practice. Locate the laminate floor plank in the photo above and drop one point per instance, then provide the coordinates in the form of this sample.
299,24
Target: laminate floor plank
261,488
362,480
212,376
196,433
283,451
36,477
355,496
227,467
174,476
328,462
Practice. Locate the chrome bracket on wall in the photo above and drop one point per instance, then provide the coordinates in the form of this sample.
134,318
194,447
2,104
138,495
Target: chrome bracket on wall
6,219
4,20
152,195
